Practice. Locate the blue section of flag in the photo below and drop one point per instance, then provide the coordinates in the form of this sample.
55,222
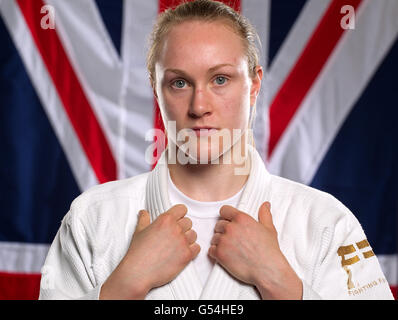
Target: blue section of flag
361,166
283,17
112,15
36,183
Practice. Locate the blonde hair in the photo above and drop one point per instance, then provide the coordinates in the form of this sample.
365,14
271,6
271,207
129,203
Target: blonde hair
208,11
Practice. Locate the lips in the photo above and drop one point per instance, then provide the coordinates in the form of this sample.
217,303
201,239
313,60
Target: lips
204,131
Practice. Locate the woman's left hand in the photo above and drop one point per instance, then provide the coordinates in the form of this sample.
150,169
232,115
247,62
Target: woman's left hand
249,250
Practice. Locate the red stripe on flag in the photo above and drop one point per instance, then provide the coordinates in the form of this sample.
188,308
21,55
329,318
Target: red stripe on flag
19,286
70,92
158,123
394,290
166,4
309,65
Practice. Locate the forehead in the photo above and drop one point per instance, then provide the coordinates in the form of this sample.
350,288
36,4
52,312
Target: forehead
201,43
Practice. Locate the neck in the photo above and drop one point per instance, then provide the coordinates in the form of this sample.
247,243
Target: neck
210,182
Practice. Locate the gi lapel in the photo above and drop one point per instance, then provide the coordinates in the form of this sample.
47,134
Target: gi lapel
220,284
186,286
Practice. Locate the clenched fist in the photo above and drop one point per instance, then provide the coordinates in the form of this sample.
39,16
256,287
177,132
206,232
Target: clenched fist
249,251
158,252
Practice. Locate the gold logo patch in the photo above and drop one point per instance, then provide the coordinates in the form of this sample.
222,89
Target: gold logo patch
346,250
363,248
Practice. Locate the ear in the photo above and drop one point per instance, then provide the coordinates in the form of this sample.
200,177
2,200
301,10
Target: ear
256,85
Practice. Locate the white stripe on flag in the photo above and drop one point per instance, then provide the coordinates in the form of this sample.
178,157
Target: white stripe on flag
347,72
41,81
22,257
137,98
389,265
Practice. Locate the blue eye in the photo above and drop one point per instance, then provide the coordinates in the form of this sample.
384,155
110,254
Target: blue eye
220,80
179,83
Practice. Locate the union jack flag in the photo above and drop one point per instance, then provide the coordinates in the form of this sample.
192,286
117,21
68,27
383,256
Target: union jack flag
76,104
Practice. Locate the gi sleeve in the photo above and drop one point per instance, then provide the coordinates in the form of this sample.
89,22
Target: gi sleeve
67,272
347,267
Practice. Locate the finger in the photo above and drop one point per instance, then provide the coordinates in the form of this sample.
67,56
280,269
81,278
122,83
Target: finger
195,249
144,220
216,239
264,214
191,236
228,212
212,251
185,224
178,211
220,226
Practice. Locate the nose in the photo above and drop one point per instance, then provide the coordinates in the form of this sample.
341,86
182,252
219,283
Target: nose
200,104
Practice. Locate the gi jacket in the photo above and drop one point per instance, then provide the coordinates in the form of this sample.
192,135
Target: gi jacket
322,240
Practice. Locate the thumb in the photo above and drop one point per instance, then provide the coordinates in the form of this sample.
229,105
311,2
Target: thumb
144,220
264,214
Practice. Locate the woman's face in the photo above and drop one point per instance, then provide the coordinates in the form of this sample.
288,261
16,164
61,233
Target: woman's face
202,81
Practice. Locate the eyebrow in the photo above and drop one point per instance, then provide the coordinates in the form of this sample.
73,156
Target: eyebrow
220,66
212,69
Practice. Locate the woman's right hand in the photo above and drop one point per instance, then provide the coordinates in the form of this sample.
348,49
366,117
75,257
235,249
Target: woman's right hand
157,254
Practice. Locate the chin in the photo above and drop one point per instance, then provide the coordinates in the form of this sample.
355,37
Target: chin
209,154
207,151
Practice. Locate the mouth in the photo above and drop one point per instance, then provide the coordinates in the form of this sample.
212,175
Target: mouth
204,131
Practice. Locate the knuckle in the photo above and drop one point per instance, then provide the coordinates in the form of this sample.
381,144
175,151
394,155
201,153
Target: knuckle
164,218
187,219
219,251
241,218
177,228
186,255
238,217
181,207
229,228
183,240
214,240
195,249
186,222
178,209
194,235
221,241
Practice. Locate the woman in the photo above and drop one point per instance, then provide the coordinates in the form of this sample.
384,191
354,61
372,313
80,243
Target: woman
205,229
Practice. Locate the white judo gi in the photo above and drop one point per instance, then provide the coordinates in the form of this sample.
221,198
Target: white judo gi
322,240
